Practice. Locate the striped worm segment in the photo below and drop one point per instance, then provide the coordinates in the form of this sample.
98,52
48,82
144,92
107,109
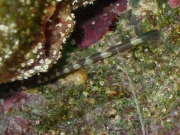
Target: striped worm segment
42,78
151,35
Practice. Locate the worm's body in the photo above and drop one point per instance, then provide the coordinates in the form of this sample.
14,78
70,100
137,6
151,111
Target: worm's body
32,82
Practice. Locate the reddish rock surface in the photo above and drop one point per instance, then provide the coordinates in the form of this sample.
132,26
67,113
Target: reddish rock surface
94,22
174,3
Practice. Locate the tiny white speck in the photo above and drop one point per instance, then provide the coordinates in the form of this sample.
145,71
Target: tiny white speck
22,64
76,66
16,42
105,54
72,15
27,56
136,41
26,75
37,67
31,71
54,52
64,40
47,61
38,56
34,50
68,18
39,45
88,61
66,70
62,34
45,67
41,61
69,25
19,78
59,25
6,56
31,60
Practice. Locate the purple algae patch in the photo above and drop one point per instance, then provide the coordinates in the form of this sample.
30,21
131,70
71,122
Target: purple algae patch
174,3
95,21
